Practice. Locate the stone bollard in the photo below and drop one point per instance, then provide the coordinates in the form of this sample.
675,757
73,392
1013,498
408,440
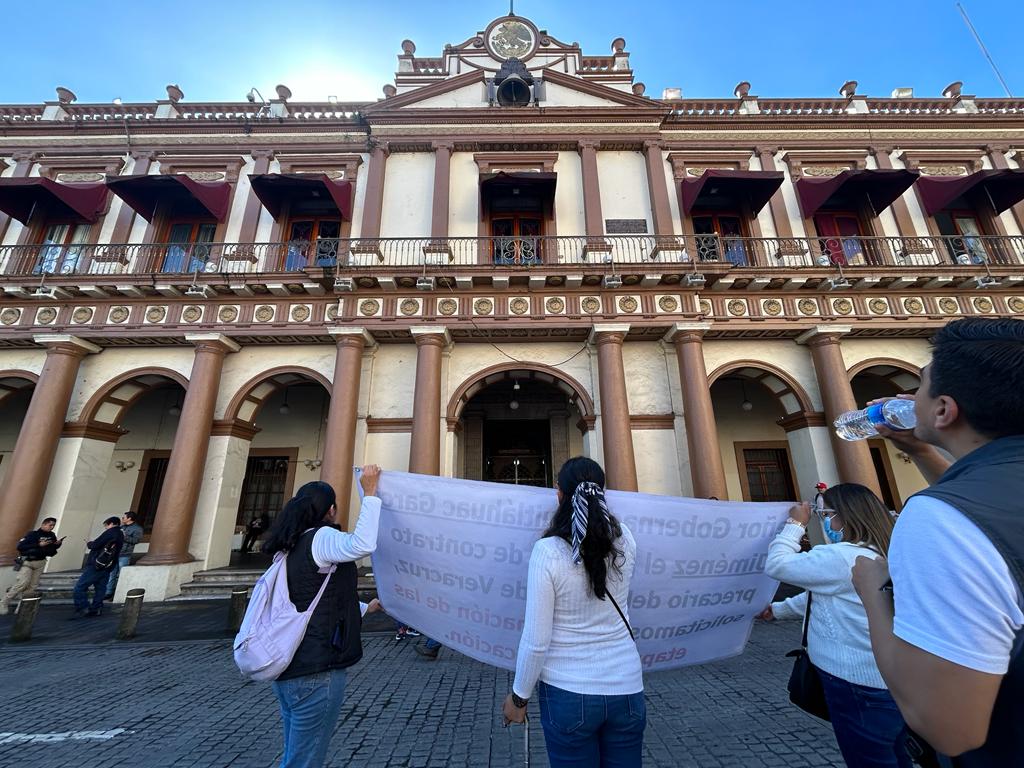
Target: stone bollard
26,617
130,614
236,611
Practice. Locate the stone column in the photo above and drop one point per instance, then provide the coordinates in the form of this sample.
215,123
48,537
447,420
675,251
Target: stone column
619,462
373,203
28,474
853,459
706,469
253,206
176,510
425,445
780,216
22,166
340,443
442,180
126,215
657,187
904,223
591,189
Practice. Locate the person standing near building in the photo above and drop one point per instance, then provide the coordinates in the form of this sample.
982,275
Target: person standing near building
311,690
33,549
253,531
948,630
866,721
103,553
577,641
132,533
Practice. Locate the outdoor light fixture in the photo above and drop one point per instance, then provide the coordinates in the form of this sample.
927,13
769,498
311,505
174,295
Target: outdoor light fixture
284,410
424,283
838,283
746,405
985,281
694,279
174,410
516,386
513,405
332,99
344,284
44,293
201,291
117,101
312,464
123,466
612,281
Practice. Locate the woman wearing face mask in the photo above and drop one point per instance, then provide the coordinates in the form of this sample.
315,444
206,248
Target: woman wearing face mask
866,721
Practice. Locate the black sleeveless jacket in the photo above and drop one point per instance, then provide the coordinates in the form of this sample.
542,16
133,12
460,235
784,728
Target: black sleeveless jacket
332,639
987,486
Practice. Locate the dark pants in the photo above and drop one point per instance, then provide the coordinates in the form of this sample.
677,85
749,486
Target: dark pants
867,724
588,731
95,578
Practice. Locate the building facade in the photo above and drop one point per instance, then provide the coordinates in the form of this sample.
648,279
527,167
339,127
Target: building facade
515,256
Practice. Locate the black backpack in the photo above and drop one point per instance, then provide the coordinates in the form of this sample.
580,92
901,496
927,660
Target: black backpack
106,557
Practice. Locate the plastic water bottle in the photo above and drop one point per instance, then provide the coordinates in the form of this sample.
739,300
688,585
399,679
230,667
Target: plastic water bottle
858,425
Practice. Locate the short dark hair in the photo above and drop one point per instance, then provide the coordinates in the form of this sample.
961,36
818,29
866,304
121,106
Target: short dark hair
113,521
131,516
979,362
49,520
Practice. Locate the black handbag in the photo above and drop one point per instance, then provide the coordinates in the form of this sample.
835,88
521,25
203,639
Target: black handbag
805,688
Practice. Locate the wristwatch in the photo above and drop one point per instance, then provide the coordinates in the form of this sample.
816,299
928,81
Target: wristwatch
795,521
519,702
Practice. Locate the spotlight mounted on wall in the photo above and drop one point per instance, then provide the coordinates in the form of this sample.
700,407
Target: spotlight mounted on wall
312,464
123,466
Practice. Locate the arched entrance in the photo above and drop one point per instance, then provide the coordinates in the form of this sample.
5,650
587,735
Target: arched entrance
16,388
518,423
877,378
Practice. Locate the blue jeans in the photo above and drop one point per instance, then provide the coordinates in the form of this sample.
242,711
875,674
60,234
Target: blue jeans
123,561
867,724
587,731
95,578
310,706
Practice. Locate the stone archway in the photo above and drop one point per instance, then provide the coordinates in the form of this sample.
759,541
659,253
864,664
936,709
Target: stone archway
16,388
518,422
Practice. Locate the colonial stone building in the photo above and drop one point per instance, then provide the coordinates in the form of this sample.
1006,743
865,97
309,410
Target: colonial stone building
516,255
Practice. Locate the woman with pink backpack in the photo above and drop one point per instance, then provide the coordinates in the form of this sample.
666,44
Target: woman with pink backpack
311,689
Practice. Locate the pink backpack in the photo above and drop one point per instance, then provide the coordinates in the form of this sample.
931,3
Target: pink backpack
272,628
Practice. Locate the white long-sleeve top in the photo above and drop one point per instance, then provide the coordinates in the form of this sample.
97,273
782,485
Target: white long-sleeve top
332,546
837,638
572,640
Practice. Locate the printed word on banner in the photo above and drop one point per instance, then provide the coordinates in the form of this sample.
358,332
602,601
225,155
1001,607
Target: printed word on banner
453,556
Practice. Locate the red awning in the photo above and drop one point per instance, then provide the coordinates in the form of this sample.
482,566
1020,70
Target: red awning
537,182
716,185
881,187
1003,189
143,193
273,189
80,202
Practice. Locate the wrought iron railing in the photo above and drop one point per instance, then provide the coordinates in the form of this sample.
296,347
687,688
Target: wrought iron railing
609,253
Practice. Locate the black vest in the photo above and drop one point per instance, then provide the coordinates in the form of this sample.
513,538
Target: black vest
332,639
987,486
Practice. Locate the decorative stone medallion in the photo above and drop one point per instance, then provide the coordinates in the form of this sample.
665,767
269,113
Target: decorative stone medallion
519,306
119,314
668,304
878,306
447,307
483,307
300,313
264,313
227,314
913,306
628,304
192,314
772,307
156,314
948,305
206,175
706,307
332,312
983,304
46,315
82,315
10,316
807,306
842,306
737,307
590,305
368,307
409,307
1016,304
554,305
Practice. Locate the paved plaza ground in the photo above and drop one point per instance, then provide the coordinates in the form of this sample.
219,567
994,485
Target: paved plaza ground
151,704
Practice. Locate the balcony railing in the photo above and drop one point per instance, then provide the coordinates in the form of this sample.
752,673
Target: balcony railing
610,252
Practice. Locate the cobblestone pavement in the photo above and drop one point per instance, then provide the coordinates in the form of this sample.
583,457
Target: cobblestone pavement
155,705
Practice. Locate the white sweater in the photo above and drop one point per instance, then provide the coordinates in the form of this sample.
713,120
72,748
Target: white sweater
572,640
837,639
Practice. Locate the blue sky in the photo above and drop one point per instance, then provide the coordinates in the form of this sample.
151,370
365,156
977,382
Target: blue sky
217,49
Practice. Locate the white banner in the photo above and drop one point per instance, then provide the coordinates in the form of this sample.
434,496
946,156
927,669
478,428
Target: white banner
452,561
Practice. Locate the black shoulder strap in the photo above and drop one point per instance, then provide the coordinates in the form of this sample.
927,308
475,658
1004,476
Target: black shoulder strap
622,616
807,618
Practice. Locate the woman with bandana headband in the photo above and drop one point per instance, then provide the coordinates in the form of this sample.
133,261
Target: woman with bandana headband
577,642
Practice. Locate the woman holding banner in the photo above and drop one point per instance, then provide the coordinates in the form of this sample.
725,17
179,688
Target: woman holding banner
866,721
577,642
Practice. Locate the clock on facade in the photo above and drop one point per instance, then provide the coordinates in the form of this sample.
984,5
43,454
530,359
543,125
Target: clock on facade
510,38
